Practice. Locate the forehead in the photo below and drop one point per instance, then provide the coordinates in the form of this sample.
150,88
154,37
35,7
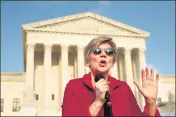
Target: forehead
105,45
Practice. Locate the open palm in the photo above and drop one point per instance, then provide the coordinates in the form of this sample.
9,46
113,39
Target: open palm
149,88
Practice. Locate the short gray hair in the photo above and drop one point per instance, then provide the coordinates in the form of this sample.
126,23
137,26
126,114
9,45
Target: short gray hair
97,42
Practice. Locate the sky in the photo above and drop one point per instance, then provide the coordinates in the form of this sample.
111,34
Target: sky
156,17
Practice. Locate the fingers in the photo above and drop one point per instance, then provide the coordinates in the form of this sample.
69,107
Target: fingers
157,78
147,73
102,86
143,74
102,82
152,74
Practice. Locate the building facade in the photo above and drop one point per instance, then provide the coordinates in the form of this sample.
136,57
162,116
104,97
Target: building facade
54,54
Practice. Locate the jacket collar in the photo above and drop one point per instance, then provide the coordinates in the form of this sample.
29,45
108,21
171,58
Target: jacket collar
113,82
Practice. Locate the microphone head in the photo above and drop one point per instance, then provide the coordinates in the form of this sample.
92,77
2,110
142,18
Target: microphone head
98,77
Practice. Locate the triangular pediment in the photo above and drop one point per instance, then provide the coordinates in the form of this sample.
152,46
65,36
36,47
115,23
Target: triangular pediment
86,23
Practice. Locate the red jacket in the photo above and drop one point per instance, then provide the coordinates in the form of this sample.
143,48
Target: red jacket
79,95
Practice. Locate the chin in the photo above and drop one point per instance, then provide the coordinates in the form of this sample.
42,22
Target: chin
103,70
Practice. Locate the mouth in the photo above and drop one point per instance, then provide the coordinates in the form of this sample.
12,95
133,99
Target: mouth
103,63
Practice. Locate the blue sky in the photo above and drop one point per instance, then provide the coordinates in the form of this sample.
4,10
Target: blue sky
156,17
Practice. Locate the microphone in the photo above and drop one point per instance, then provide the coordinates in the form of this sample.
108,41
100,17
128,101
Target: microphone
107,105
97,78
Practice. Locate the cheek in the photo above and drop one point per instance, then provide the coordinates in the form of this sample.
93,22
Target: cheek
110,61
93,61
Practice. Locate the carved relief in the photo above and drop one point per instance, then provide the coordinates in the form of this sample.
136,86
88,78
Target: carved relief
88,25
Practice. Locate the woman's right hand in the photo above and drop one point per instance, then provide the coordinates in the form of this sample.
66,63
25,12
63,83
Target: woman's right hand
101,87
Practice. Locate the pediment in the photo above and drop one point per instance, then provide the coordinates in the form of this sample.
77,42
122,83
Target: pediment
87,23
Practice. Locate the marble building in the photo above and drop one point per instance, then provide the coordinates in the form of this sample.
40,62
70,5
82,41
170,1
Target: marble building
53,54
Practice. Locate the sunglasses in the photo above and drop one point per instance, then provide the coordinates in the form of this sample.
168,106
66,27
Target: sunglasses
108,51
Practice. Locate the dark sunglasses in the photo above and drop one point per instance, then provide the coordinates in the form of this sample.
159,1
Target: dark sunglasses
108,51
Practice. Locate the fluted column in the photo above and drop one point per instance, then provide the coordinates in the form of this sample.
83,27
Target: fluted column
80,60
142,65
30,66
47,75
120,69
135,76
142,60
114,71
64,67
128,68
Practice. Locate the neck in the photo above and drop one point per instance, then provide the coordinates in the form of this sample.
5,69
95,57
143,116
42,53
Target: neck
93,77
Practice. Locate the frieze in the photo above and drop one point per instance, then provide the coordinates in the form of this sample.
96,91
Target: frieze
83,34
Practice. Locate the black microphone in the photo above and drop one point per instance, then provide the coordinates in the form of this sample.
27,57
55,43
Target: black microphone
97,78
107,105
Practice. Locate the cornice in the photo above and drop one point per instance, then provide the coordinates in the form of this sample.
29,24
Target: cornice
82,34
12,77
13,74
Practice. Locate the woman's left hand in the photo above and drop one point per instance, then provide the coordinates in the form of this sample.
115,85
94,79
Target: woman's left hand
149,88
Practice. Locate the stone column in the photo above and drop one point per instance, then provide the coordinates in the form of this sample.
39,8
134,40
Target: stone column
59,81
128,68
30,66
142,60
114,71
80,60
120,69
142,65
64,67
76,67
135,76
47,75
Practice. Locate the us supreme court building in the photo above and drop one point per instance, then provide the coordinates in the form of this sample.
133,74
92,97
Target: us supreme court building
54,54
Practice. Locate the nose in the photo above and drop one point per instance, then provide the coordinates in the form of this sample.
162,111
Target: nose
103,54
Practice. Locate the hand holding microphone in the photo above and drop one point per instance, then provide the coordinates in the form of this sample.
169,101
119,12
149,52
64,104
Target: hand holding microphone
102,97
101,88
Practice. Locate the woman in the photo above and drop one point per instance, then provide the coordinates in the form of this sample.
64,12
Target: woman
85,97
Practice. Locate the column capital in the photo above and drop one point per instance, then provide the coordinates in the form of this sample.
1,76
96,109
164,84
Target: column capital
80,48
142,50
30,46
127,49
64,47
48,47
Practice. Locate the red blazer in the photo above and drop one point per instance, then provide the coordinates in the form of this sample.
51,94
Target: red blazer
79,95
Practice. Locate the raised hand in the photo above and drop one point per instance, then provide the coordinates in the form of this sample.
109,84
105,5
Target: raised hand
149,88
